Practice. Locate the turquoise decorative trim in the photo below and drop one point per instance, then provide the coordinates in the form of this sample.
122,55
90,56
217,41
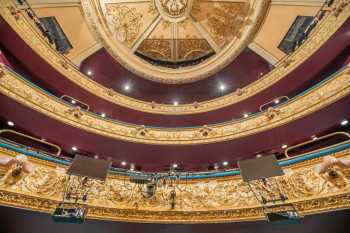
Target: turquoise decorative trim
190,176
196,126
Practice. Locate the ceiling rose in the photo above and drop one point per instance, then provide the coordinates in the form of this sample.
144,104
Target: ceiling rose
174,41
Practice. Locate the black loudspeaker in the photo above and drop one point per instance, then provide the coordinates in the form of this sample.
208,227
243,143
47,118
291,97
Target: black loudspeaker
71,215
260,168
89,167
283,217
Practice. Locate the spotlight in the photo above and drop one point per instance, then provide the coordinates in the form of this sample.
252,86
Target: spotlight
123,163
313,137
277,101
89,72
175,165
284,146
176,103
225,163
132,167
127,87
222,87
10,123
74,148
103,114
245,115
344,122
73,102
95,156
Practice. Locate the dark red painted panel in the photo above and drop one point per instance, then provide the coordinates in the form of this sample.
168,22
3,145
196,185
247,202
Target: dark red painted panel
153,157
293,81
245,69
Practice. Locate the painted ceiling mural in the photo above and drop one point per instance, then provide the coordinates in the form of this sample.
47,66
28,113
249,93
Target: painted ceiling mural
174,41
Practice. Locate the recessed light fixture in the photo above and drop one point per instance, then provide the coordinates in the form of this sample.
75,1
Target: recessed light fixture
245,115
175,165
103,114
176,103
73,102
10,123
344,122
127,87
258,155
284,146
261,74
222,87
216,166
225,163
74,148
123,163
89,72
95,156
277,101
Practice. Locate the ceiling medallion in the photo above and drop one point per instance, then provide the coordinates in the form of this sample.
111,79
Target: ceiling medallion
174,41
174,10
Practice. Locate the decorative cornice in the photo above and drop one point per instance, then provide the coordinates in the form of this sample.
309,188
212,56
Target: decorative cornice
197,202
323,31
317,98
99,26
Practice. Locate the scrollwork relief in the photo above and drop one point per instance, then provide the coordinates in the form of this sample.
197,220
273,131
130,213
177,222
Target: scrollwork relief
324,30
226,199
319,97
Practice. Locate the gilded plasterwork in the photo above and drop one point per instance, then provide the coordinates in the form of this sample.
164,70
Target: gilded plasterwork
319,97
126,22
323,31
159,49
174,8
223,20
193,49
199,201
227,40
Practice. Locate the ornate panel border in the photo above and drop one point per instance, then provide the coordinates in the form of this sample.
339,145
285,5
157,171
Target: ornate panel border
331,22
98,24
320,96
231,201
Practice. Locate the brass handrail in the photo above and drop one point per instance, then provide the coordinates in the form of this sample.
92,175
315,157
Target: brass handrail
59,150
273,101
315,140
76,100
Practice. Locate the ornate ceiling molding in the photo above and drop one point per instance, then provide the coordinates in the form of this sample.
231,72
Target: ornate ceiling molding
323,31
226,200
227,37
317,98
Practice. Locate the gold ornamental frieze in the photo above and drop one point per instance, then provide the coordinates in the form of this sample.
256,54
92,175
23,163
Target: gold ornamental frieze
324,94
201,201
227,27
331,22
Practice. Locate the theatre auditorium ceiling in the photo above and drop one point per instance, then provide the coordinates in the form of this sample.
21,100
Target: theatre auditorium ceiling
176,41
174,111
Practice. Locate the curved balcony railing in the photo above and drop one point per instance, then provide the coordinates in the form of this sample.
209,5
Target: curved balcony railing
331,21
200,198
328,150
317,97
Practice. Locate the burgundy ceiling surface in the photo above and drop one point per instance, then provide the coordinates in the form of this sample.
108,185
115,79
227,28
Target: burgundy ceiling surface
154,157
24,221
60,85
245,69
